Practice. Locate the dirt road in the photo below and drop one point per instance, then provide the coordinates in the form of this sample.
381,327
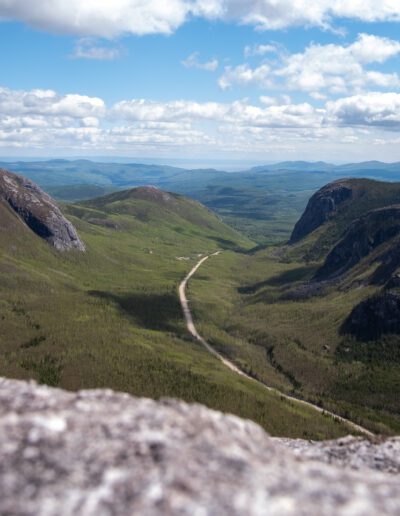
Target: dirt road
192,329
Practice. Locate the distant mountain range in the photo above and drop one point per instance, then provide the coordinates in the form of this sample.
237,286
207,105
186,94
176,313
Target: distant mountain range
264,202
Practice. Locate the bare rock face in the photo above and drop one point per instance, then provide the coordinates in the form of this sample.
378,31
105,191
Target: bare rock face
364,236
351,452
376,316
38,211
322,206
98,452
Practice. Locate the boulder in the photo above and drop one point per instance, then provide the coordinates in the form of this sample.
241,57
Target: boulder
100,452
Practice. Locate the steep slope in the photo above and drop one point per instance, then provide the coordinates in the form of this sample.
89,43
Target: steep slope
323,205
320,318
374,231
38,211
332,210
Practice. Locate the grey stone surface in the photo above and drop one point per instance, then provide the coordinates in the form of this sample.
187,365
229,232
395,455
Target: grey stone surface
99,452
365,235
38,211
322,206
379,454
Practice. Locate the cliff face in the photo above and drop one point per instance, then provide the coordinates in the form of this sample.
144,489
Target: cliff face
322,206
364,236
376,316
98,452
38,211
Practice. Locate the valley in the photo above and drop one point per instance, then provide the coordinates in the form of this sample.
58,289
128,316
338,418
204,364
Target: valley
284,314
110,316
277,314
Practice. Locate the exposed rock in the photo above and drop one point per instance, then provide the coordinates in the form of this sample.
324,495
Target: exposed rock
322,206
390,262
38,211
394,282
351,452
376,316
98,452
364,236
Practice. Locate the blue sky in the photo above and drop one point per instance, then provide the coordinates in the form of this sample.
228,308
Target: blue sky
205,79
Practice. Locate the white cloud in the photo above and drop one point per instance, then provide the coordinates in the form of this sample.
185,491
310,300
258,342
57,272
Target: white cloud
101,18
109,19
48,102
259,50
245,75
334,68
193,62
372,109
267,100
43,119
145,110
88,48
339,69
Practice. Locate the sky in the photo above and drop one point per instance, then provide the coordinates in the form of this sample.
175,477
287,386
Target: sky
254,80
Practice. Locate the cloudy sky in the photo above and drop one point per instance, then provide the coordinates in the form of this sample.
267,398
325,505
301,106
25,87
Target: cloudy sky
239,79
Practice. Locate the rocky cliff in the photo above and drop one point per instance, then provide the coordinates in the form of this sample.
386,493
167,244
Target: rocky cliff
98,452
376,316
38,211
365,234
322,206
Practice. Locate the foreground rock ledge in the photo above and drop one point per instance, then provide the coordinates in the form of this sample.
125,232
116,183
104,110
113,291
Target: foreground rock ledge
98,452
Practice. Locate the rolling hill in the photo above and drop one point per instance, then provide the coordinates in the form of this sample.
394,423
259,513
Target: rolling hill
264,202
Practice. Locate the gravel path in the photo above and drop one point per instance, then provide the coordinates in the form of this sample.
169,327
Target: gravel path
192,329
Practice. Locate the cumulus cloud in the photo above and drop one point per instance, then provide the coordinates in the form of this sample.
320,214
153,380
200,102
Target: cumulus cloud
146,110
372,109
89,48
99,17
193,62
109,19
259,50
50,103
245,75
337,69
44,119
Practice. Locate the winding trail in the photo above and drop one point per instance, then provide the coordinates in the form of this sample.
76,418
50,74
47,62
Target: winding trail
193,331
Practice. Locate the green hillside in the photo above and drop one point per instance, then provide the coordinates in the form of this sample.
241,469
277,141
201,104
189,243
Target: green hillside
282,324
110,317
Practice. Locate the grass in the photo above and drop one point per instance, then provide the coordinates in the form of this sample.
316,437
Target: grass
110,317
295,345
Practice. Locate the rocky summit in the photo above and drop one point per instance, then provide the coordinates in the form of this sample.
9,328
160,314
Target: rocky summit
100,452
322,206
38,211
